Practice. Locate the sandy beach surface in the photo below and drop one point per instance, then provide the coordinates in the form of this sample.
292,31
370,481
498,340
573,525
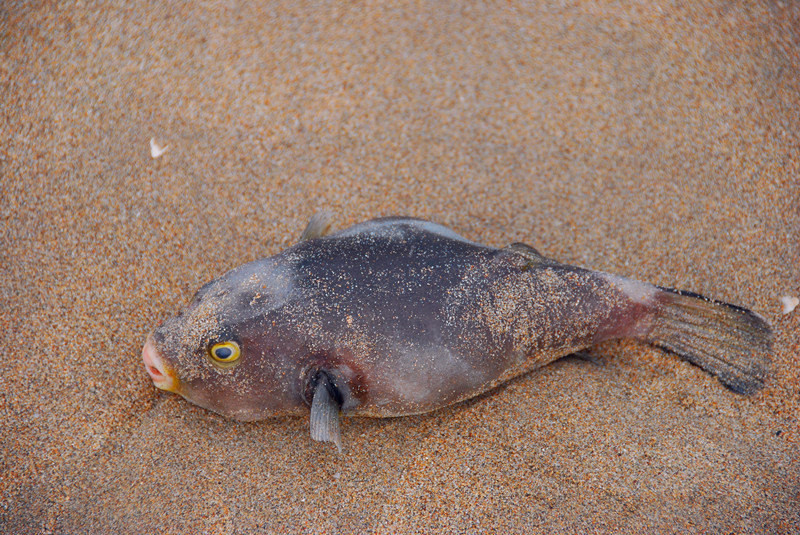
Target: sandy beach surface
654,140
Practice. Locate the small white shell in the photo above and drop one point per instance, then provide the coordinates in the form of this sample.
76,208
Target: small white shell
155,149
789,303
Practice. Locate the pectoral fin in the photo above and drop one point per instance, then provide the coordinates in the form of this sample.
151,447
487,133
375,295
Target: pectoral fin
325,426
319,225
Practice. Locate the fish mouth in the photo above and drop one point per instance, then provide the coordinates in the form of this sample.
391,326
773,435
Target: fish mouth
161,374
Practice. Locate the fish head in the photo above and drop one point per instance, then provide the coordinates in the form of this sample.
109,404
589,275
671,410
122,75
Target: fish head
222,351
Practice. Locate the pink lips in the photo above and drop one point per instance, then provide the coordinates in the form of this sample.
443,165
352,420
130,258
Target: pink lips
161,375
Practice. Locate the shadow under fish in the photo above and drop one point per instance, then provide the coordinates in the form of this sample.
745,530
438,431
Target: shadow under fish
400,316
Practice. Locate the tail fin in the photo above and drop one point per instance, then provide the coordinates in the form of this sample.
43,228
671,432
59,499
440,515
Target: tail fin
727,341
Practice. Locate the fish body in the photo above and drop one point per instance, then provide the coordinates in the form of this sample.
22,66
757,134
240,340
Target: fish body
400,316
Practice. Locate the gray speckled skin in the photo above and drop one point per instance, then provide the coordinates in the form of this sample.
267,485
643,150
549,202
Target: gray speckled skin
404,315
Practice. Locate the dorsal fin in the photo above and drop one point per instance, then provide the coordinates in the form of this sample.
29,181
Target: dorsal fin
325,407
533,256
318,226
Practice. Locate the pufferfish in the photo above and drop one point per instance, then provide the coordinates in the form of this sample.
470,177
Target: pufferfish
400,316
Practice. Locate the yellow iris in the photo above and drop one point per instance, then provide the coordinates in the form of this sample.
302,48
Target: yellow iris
225,352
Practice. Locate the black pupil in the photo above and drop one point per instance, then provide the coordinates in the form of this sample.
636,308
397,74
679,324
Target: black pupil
223,352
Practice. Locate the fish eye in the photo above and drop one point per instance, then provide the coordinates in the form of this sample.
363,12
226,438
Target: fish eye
225,352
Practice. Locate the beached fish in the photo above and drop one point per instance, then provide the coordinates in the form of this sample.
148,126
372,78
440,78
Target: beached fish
400,316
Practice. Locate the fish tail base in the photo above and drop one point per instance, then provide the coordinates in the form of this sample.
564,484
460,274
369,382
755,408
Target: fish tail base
729,342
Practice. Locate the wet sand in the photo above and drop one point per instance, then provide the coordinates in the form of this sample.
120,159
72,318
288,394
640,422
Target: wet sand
657,142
